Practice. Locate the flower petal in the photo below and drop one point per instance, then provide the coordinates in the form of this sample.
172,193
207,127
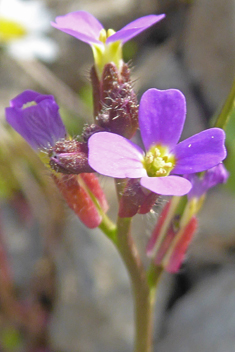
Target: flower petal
168,186
215,175
212,177
115,156
81,25
40,124
134,28
24,98
200,152
161,117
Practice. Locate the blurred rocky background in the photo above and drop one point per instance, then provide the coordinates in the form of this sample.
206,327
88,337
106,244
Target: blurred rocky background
79,280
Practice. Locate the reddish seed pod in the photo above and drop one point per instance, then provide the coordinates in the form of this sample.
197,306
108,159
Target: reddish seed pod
79,191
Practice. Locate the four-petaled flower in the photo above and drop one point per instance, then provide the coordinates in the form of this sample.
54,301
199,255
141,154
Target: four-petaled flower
106,46
36,118
161,120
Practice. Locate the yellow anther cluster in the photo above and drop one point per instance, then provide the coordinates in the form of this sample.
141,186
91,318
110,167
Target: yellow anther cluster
105,34
158,162
27,105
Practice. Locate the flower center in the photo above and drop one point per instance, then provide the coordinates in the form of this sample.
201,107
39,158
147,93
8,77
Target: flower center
105,34
158,162
105,53
30,103
10,30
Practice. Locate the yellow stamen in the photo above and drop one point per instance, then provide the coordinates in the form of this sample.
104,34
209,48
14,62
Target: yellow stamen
27,105
110,32
105,53
103,36
158,162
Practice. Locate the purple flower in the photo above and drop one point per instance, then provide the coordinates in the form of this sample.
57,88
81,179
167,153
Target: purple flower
212,177
36,118
161,120
85,27
106,46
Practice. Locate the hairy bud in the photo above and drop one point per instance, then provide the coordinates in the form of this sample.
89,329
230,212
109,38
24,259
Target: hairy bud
69,157
136,200
115,102
89,130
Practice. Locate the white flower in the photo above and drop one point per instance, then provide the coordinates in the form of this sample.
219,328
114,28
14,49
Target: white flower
23,25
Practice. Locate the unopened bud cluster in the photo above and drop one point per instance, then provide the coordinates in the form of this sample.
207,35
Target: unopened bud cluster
115,109
115,102
69,157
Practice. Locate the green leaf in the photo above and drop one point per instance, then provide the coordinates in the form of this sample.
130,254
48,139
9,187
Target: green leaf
227,111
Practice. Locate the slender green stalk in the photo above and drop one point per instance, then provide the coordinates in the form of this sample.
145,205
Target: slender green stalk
154,275
143,299
143,283
108,228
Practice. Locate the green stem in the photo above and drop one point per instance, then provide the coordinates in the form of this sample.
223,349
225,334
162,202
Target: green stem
108,228
154,275
143,299
143,286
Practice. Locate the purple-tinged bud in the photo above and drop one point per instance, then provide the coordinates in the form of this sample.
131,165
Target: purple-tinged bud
149,201
96,91
115,102
111,79
135,199
69,157
89,130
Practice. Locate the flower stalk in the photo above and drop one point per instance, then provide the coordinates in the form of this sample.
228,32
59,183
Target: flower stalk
143,301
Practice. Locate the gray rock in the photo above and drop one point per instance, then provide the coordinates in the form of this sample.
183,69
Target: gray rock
204,319
215,239
94,310
209,47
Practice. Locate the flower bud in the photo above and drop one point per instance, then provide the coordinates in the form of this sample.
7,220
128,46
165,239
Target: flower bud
135,199
89,130
69,157
115,102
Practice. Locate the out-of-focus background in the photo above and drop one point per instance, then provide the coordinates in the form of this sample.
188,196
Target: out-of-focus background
75,291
